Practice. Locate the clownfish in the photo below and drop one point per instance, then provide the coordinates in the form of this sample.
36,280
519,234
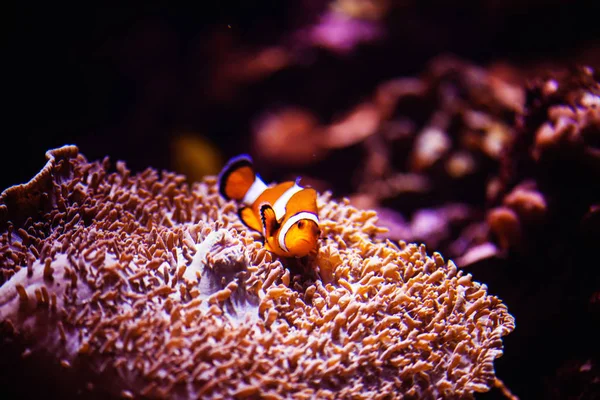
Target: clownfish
286,214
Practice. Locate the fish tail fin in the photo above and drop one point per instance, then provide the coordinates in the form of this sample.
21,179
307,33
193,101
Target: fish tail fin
236,177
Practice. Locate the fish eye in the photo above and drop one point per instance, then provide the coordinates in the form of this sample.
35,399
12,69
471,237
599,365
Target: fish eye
300,224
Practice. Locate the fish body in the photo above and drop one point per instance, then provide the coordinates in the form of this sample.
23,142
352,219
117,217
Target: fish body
286,213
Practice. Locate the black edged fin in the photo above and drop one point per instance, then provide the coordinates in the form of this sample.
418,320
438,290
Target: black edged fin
249,219
268,219
235,163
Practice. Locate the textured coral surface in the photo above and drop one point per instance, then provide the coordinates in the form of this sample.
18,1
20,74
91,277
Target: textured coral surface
122,284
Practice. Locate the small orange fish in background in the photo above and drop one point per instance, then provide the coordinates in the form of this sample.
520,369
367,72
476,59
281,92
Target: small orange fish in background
285,213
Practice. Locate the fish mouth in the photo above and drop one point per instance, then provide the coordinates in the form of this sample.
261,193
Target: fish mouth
305,241
304,245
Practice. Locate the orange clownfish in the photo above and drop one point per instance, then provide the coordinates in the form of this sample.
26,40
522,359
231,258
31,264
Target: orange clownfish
286,213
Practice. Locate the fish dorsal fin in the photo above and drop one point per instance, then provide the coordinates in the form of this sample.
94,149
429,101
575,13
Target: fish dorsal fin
303,201
268,219
279,196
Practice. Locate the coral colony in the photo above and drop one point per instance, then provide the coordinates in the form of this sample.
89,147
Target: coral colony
143,285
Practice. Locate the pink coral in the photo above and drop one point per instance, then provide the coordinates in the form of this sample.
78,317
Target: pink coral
154,288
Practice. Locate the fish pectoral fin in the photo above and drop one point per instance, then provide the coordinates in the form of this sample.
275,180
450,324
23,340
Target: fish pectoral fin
249,219
268,219
268,246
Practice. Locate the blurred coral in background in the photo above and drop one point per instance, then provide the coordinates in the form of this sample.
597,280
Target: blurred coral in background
195,156
473,128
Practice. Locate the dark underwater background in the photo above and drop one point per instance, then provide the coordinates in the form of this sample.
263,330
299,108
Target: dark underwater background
339,92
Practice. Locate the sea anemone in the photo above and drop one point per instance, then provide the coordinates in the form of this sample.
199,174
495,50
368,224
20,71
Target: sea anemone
143,285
